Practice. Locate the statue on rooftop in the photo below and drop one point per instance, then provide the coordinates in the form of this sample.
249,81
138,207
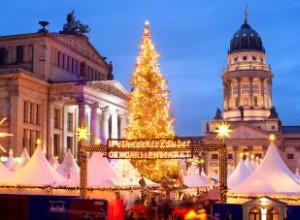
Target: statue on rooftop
74,27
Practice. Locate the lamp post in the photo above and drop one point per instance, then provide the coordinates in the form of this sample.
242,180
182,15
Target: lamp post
223,131
83,134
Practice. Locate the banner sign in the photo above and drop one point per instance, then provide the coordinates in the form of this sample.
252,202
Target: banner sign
178,148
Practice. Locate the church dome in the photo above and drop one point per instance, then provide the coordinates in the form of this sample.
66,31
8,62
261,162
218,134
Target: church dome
246,39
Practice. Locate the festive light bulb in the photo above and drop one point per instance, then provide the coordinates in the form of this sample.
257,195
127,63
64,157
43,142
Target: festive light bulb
98,141
82,133
223,130
272,138
38,142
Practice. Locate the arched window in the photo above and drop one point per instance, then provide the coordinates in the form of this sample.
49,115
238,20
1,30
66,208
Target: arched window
236,102
246,102
255,101
254,214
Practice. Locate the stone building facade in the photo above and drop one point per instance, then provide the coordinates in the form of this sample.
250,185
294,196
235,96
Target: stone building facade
248,106
52,83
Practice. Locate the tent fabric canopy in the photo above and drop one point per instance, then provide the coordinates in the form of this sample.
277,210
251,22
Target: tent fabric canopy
37,171
68,167
240,173
4,172
271,177
100,173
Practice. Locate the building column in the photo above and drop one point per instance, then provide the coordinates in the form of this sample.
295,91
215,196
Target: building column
64,127
251,91
229,92
239,91
105,121
81,124
225,95
94,123
270,91
262,83
50,128
115,125
15,121
123,119
81,113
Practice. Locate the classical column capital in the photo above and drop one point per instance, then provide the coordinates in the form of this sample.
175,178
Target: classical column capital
94,105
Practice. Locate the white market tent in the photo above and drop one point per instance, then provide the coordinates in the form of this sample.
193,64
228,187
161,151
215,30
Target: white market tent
24,157
99,173
194,179
68,168
297,175
128,171
11,163
240,173
4,172
53,162
37,171
250,165
271,177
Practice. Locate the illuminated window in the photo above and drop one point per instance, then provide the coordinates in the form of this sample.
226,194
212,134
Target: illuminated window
56,144
255,101
236,102
246,103
70,141
70,122
57,118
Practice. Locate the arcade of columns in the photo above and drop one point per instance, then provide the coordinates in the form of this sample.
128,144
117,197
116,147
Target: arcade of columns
102,123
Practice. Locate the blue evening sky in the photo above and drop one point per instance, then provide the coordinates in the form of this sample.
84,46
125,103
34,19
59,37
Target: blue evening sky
192,37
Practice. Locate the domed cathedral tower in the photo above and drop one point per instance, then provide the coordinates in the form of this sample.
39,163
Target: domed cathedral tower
247,79
248,103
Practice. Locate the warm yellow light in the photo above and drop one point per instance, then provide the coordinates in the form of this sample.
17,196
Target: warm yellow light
98,141
190,215
252,156
272,137
201,161
38,141
82,133
241,155
19,159
223,130
3,159
4,134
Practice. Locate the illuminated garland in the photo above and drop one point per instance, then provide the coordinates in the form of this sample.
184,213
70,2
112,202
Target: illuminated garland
287,198
111,189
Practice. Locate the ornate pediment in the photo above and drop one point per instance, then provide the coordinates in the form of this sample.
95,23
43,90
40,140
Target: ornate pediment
246,132
81,45
112,87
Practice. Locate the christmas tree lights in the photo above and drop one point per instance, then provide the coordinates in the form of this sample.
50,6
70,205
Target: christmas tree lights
149,109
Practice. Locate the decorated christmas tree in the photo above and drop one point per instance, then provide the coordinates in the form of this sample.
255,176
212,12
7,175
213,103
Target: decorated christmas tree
149,109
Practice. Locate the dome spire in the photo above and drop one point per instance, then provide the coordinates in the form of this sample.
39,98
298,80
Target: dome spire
246,15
